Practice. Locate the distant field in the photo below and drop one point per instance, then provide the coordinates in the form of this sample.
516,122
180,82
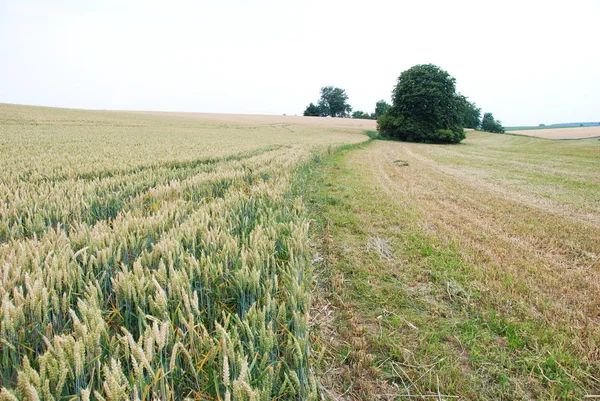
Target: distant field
559,133
150,256
553,126
321,122
528,128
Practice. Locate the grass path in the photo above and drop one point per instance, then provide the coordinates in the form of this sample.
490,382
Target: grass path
444,275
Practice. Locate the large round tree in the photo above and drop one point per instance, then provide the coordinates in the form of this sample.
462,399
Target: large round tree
425,107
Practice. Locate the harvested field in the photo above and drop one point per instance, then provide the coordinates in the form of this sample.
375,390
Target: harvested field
468,271
561,133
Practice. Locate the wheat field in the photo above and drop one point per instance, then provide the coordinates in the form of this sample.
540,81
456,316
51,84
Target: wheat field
155,256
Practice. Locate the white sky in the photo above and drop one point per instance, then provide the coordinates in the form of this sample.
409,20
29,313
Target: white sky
528,62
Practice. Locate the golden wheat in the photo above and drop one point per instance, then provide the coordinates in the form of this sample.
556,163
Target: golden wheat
146,257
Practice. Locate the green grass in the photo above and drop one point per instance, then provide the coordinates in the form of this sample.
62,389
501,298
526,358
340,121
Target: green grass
565,172
428,327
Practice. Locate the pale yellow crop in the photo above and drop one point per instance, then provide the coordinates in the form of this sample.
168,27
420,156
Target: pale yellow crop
154,257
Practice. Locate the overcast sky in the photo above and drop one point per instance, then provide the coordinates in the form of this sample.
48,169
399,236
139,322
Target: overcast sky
528,62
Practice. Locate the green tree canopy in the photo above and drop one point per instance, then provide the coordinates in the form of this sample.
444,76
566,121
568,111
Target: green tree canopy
425,107
333,102
470,113
312,110
361,114
381,107
490,124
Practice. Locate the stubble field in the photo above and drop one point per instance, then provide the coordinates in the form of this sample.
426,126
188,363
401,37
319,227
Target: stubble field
562,133
464,271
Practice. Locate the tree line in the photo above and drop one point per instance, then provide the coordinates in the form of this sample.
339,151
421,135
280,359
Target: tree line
425,108
334,103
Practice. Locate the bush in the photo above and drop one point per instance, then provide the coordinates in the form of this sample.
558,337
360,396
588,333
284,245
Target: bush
410,130
448,136
363,115
312,111
490,124
425,107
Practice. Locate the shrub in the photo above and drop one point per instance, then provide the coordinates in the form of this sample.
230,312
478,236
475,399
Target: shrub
425,107
490,124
